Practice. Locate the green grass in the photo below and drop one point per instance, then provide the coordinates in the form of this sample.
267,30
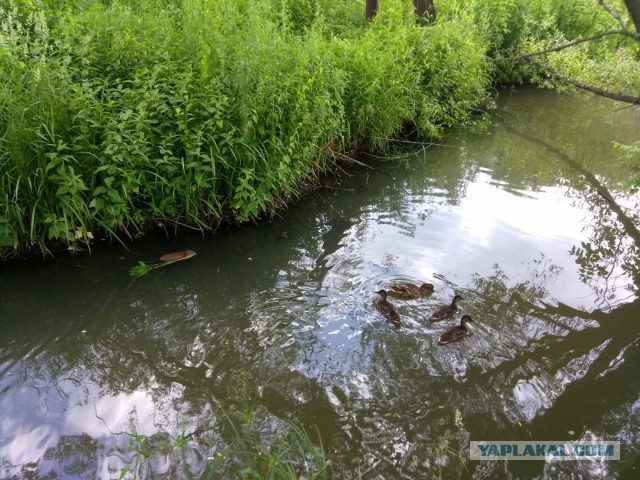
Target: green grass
115,115
292,455
239,452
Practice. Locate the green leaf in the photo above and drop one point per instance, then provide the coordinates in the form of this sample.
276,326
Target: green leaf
140,269
124,471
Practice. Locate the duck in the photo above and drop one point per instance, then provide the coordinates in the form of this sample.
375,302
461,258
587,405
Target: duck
457,333
407,291
446,311
387,309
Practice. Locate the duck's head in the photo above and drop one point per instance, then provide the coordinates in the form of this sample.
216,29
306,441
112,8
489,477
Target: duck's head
382,293
426,288
465,319
456,299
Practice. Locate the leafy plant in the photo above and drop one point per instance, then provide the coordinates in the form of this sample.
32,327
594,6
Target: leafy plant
116,114
292,455
631,157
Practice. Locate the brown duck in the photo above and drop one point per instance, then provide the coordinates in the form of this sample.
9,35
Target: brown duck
457,333
387,309
446,311
407,291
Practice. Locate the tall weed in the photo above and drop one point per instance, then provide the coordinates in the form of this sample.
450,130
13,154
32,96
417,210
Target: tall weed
117,114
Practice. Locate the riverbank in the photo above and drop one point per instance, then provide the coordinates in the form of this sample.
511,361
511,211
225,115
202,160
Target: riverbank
119,115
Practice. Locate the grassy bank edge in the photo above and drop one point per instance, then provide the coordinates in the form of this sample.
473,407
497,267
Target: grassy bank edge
118,118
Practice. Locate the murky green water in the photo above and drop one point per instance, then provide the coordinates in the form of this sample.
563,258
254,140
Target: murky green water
277,318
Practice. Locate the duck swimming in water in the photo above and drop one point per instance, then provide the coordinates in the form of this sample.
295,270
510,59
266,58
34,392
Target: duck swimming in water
457,333
407,291
446,311
387,309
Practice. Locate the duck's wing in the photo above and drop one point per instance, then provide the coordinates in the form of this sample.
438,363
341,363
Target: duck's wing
442,313
389,312
403,289
395,319
454,334
447,337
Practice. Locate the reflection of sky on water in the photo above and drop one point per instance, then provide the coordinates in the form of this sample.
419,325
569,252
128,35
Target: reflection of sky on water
429,237
29,438
67,418
489,226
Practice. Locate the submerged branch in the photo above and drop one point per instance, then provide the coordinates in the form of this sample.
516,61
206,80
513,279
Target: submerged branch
612,13
347,159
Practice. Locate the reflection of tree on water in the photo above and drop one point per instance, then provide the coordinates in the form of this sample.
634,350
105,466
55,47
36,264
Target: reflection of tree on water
74,454
613,252
597,343
494,292
611,257
511,324
502,305
377,435
552,380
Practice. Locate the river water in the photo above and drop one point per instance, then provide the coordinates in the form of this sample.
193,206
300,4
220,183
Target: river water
531,221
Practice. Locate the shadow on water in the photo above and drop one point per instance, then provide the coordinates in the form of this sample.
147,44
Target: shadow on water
529,222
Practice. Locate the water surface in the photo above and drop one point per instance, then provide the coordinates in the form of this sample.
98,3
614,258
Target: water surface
530,221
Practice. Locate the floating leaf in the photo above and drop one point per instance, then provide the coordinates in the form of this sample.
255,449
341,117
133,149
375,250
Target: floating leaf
140,269
124,471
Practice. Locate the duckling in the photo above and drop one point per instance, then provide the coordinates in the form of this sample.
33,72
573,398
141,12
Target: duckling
407,291
446,311
387,309
457,333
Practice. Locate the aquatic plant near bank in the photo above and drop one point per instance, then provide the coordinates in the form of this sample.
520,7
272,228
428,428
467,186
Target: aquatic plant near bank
291,456
241,454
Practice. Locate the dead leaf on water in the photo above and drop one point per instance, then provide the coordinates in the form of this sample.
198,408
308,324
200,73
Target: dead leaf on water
142,268
177,256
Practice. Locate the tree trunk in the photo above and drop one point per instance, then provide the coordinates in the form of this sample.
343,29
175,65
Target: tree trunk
633,7
371,9
426,11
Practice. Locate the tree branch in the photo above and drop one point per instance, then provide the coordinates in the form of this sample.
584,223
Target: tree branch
612,13
621,97
624,32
